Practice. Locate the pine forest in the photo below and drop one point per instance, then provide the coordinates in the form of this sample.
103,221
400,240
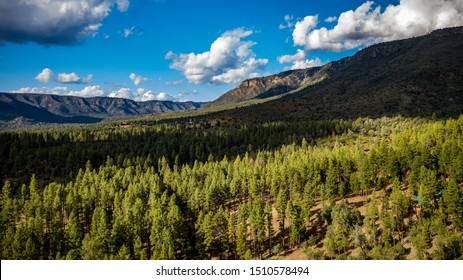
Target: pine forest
385,188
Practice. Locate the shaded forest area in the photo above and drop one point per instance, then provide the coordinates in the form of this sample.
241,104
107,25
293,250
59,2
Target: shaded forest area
182,191
58,153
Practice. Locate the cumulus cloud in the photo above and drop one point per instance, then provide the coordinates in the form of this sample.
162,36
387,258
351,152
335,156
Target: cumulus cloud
368,24
122,93
53,22
71,78
141,94
303,28
66,78
230,59
238,74
137,79
300,55
44,76
299,61
42,90
331,19
89,91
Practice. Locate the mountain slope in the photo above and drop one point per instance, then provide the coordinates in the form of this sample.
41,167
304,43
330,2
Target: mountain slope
413,77
270,86
71,109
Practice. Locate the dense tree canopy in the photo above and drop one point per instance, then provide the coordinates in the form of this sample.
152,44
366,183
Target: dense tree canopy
181,191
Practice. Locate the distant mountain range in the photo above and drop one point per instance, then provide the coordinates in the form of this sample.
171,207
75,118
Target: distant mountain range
70,109
419,76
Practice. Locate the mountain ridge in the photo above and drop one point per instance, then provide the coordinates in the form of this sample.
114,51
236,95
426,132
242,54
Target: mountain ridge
268,86
278,84
69,109
411,77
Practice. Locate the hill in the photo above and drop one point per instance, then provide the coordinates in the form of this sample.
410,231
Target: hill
270,86
70,109
413,77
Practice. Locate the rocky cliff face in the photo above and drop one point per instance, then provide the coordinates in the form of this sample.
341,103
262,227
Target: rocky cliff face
270,86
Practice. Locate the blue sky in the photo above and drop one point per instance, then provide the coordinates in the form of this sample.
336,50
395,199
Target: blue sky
191,50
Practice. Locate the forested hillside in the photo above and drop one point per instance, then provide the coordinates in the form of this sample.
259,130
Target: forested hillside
184,191
418,76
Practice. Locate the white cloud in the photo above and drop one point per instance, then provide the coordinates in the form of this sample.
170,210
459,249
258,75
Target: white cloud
288,22
42,90
87,79
128,31
44,76
51,22
142,94
246,71
137,79
163,96
368,24
331,19
303,64
300,55
174,83
122,93
65,78
302,29
145,95
139,94
229,60
299,61
123,5
89,91
71,78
